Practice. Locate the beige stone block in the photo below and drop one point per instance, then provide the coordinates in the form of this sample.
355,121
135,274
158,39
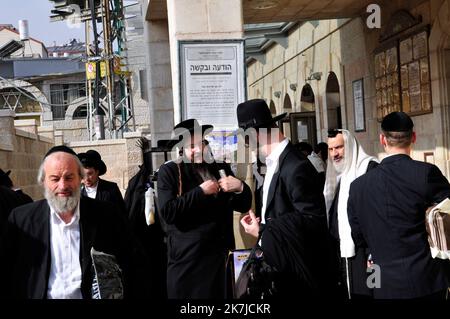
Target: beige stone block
183,14
225,16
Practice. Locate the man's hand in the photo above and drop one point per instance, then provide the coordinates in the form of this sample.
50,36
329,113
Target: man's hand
231,184
210,187
251,223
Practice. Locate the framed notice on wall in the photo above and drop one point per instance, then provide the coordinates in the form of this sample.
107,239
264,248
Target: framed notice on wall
212,81
358,105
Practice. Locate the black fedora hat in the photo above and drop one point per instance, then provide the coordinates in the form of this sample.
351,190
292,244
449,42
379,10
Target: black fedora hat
192,126
93,159
256,113
4,178
168,144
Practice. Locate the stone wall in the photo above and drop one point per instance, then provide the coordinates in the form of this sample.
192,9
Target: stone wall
121,156
346,48
22,151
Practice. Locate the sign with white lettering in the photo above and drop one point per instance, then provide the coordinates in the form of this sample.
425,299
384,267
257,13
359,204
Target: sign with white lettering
212,81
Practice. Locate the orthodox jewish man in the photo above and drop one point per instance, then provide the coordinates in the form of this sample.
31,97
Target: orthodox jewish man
292,227
386,209
45,250
96,187
196,201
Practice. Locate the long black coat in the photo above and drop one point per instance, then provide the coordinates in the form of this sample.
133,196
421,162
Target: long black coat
9,200
199,229
294,238
109,192
25,249
386,210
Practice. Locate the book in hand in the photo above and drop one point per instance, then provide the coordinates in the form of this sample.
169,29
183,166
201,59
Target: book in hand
437,222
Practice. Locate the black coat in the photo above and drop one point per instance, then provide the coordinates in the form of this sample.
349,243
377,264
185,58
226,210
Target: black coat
9,200
25,249
357,265
199,229
294,238
150,236
109,192
386,210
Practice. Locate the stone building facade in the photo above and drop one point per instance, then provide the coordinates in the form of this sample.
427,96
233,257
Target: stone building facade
328,57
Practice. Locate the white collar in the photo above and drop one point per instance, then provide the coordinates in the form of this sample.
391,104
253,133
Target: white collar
75,217
276,152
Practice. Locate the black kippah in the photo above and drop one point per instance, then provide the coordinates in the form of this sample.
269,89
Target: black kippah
60,148
397,122
334,132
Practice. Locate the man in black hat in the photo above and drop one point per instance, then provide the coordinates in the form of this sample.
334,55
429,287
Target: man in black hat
94,186
292,228
10,197
46,246
196,201
386,209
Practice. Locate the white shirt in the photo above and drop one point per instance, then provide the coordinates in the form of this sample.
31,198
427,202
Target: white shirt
272,167
91,191
65,270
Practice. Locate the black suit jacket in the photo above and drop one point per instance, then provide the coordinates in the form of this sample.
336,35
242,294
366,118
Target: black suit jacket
109,192
295,233
9,200
25,249
386,209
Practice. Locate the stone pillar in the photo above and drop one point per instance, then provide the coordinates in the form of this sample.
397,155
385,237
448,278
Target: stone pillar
29,126
159,88
7,130
439,45
200,20
59,138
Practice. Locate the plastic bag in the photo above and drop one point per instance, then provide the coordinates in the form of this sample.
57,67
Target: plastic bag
107,283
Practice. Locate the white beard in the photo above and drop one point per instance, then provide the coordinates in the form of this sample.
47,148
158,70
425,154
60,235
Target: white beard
339,167
63,204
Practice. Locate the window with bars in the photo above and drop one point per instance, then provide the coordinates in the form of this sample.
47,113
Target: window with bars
62,95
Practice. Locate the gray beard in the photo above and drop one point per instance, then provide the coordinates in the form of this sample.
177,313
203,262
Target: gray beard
63,204
339,167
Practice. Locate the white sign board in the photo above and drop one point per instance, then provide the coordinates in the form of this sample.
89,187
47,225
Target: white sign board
212,81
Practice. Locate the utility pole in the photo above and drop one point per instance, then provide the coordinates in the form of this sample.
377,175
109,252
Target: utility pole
101,88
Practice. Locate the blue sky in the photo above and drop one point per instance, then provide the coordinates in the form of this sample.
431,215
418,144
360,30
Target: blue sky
37,12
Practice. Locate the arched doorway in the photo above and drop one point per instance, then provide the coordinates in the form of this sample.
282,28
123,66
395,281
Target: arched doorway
287,104
307,99
272,108
301,126
333,100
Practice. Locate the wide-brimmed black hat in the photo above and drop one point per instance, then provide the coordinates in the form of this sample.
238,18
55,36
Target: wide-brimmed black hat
397,122
168,144
93,159
256,113
190,125
4,179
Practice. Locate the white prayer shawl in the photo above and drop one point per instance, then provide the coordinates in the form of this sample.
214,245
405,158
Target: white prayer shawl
356,162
